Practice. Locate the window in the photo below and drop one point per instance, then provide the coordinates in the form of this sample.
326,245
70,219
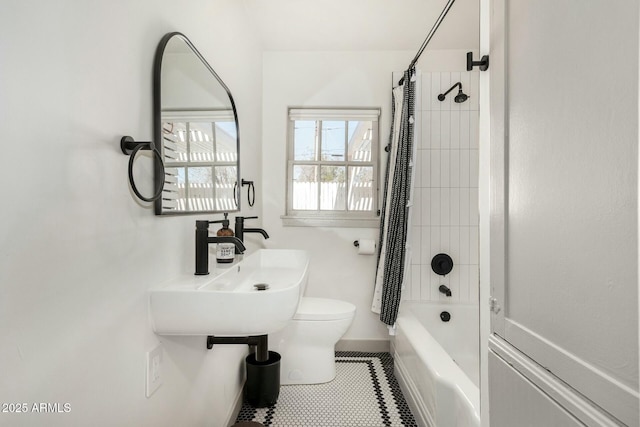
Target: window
200,152
333,167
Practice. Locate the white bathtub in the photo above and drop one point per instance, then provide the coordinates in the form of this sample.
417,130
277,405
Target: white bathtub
436,363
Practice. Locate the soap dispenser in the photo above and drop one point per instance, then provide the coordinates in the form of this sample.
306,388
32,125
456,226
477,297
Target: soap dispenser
225,252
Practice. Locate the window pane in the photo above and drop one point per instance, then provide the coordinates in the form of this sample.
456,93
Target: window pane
361,188
175,141
201,141
174,193
226,178
333,137
332,188
305,187
360,135
304,140
226,142
200,189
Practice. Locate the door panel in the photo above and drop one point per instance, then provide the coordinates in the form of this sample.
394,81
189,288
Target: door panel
564,192
507,408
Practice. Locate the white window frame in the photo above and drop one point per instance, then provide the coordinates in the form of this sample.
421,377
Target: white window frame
334,218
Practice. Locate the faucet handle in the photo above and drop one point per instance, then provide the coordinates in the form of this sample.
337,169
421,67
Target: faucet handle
224,222
242,218
203,224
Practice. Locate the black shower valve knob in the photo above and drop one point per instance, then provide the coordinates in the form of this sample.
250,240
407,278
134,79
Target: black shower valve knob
442,264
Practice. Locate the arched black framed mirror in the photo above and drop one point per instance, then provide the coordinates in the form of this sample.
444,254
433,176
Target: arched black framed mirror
196,132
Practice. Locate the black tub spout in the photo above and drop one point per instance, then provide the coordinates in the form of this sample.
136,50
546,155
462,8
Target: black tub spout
445,290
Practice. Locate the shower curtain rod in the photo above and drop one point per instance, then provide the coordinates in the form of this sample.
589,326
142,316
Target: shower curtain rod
429,36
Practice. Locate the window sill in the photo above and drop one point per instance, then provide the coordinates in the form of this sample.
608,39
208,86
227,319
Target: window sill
315,221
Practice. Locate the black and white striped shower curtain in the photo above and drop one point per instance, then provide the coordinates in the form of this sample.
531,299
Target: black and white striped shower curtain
395,205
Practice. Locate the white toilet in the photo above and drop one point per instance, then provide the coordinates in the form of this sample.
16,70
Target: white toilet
307,344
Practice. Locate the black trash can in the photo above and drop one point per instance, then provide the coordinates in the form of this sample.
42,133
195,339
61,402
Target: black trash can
263,380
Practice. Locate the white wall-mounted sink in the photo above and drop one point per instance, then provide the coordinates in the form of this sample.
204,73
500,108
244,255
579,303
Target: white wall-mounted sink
228,304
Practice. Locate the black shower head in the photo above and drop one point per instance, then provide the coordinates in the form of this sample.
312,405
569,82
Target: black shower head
460,97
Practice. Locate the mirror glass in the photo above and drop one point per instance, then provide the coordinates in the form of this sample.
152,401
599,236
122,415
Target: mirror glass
196,126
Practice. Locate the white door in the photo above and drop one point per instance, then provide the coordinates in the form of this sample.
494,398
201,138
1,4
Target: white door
564,172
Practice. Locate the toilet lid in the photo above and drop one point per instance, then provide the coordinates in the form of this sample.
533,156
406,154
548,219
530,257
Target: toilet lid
324,309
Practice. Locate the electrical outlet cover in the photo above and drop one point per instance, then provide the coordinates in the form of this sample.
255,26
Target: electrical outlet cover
154,370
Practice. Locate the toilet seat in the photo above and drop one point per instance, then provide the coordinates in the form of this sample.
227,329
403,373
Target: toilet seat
324,309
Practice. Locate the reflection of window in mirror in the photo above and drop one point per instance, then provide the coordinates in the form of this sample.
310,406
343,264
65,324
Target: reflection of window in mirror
333,167
200,153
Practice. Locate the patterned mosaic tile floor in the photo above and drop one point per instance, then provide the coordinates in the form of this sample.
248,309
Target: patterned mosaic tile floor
364,393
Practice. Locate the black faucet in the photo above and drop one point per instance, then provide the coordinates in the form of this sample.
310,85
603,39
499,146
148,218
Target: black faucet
202,245
240,229
445,290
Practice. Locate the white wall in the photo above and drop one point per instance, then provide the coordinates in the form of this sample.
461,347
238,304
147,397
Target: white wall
324,79
331,79
78,253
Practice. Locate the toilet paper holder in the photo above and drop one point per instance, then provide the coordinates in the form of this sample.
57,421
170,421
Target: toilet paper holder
356,243
365,246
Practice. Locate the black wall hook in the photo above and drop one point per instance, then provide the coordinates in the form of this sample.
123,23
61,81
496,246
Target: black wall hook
483,64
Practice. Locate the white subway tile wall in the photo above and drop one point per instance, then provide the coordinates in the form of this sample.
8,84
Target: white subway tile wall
444,216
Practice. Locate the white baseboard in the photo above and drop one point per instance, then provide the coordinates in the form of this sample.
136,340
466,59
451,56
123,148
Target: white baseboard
368,346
